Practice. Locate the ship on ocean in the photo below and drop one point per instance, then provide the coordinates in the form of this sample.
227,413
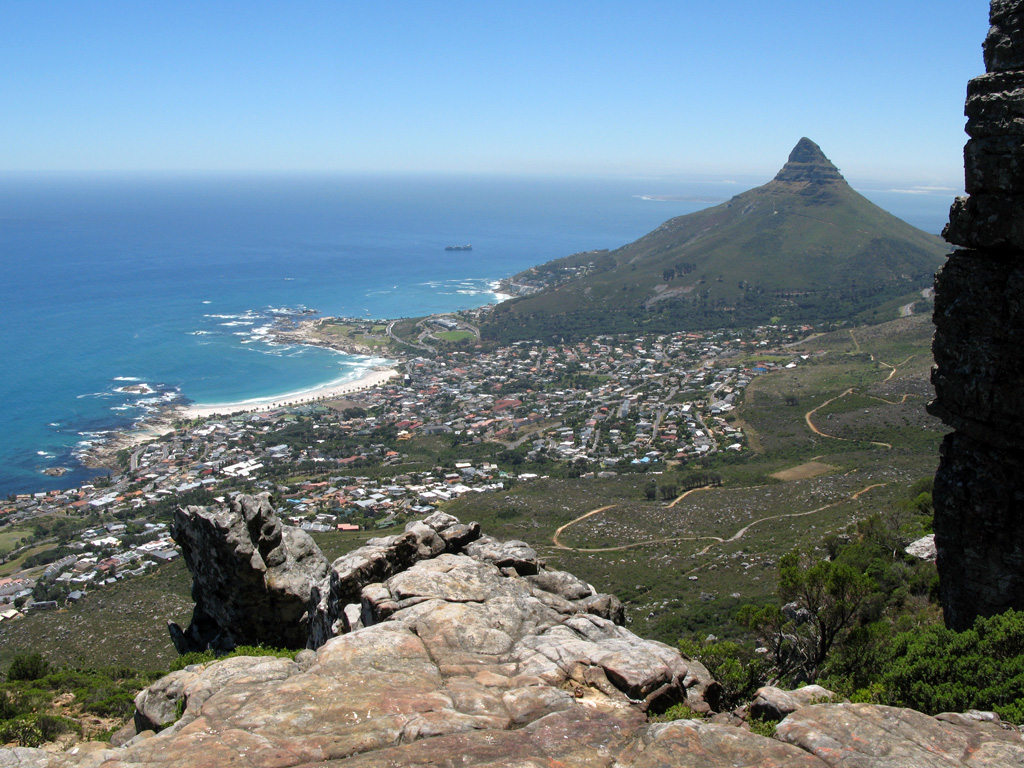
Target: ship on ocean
466,247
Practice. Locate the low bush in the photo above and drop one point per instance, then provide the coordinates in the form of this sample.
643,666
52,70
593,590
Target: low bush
28,666
204,657
23,732
937,670
676,712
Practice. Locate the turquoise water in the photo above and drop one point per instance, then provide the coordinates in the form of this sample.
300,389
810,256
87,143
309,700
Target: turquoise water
171,282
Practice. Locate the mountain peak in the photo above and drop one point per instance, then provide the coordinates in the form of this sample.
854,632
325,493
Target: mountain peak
808,164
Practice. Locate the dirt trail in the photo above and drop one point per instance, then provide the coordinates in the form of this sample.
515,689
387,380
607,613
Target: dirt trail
687,493
849,391
810,424
554,539
713,539
815,430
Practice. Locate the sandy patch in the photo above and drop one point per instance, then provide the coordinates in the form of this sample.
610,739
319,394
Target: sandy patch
805,471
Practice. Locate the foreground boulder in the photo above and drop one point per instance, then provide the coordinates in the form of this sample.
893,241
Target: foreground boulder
771,703
440,646
888,737
376,697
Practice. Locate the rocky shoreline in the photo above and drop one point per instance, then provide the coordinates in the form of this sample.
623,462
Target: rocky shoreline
103,455
311,332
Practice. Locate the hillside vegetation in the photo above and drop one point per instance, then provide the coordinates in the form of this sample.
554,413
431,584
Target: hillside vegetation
680,565
804,248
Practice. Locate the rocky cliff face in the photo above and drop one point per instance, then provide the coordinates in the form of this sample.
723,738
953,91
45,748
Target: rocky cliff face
448,648
807,165
252,577
979,321
470,599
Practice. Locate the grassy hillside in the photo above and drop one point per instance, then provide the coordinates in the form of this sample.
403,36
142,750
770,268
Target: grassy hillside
805,247
667,562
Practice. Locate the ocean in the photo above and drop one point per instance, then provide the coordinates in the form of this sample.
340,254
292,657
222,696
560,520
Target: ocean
122,294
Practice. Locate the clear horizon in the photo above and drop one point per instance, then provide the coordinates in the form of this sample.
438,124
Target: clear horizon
655,90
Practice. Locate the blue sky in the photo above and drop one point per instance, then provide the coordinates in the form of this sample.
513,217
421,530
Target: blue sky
643,88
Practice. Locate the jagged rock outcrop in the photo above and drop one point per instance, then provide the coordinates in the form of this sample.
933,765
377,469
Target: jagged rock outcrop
252,577
442,657
979,371
473,601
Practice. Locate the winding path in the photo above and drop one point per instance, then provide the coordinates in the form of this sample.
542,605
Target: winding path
558,544
849,391
815,430
713,539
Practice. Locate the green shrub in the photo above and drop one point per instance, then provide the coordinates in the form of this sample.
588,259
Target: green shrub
259,650
676,712
31,730
762,727
52,726
937,670
28,666
204,657
737,668
119,704
11,705
22,732
193,657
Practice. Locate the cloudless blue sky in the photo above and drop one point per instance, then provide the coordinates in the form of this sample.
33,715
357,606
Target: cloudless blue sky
672,88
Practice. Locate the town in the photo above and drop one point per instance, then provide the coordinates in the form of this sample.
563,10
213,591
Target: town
459,419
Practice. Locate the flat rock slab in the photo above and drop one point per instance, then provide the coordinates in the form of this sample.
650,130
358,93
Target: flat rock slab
855,735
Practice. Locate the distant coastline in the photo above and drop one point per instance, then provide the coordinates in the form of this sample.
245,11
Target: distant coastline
683,198
104,455
194,314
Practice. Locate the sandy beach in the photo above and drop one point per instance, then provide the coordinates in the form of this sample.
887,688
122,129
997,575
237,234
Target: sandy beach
370,379
104,454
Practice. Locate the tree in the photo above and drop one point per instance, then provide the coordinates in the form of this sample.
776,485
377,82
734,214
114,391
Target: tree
821,601
650,490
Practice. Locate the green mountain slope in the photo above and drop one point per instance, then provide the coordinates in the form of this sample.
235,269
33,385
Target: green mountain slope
804,247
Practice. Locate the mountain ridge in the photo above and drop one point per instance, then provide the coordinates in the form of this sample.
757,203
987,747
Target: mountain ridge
803,248
807,164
